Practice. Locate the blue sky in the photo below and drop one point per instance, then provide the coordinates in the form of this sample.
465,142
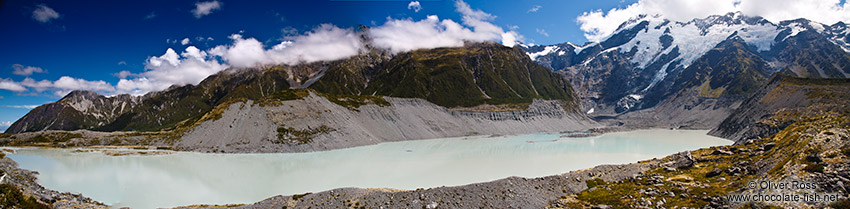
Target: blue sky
51,47
94,40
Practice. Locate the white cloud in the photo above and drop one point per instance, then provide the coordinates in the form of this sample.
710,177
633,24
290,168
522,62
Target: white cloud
202,39
184,41
22,70
599,24
59,88
823,11
5,124
44,14
324,43
415,6
123,74
69,83
405,34
8,84
189,67
535,8
205,8
542,32
42,85
20,107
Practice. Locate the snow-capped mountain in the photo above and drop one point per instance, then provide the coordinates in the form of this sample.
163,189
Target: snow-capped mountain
650,61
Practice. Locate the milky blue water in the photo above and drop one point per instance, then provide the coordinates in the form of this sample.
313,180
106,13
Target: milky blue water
184,178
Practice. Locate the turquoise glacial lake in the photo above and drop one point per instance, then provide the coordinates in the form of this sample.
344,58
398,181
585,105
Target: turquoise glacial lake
185,178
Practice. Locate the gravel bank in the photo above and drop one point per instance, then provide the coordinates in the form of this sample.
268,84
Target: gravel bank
250,128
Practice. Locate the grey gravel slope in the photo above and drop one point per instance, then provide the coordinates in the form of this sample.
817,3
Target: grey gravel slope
249,127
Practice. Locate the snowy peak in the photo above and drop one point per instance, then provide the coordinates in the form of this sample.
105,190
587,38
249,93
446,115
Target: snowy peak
694,38
647,56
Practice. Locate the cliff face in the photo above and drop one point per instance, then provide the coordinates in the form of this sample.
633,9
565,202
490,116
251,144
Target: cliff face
783,101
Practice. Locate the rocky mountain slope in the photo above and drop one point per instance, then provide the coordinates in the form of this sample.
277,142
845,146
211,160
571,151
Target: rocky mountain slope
651,61
77,110
783,101
482,88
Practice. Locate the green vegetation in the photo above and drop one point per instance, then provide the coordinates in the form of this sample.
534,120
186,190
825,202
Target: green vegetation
691,187
188,105
352,102
451,77
11,197
44,139
285,95
291,135
594,182
299,196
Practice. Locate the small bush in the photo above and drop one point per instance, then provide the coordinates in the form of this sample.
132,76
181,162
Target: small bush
294,136
813,168
11,197
594,182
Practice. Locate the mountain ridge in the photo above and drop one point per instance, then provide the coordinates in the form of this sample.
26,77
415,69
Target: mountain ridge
634,69
480,75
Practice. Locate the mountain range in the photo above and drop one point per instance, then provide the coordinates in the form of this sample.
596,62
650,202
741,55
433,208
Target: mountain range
650,63
651,72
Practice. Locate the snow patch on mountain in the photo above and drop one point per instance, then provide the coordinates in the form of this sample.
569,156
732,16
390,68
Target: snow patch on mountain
694,38
546,50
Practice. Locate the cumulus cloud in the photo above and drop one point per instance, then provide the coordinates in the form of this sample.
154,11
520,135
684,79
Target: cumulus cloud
22,70
44,14
189,67
326,42
205,8
415,6
400,35
534,8
184,41
599,24
9,84
123,74
823,11
69,83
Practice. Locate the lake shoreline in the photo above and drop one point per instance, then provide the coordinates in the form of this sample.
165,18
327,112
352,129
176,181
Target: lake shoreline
90,135
460,141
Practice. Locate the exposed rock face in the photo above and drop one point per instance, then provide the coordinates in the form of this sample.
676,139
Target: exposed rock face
77,110
250,127
783,101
